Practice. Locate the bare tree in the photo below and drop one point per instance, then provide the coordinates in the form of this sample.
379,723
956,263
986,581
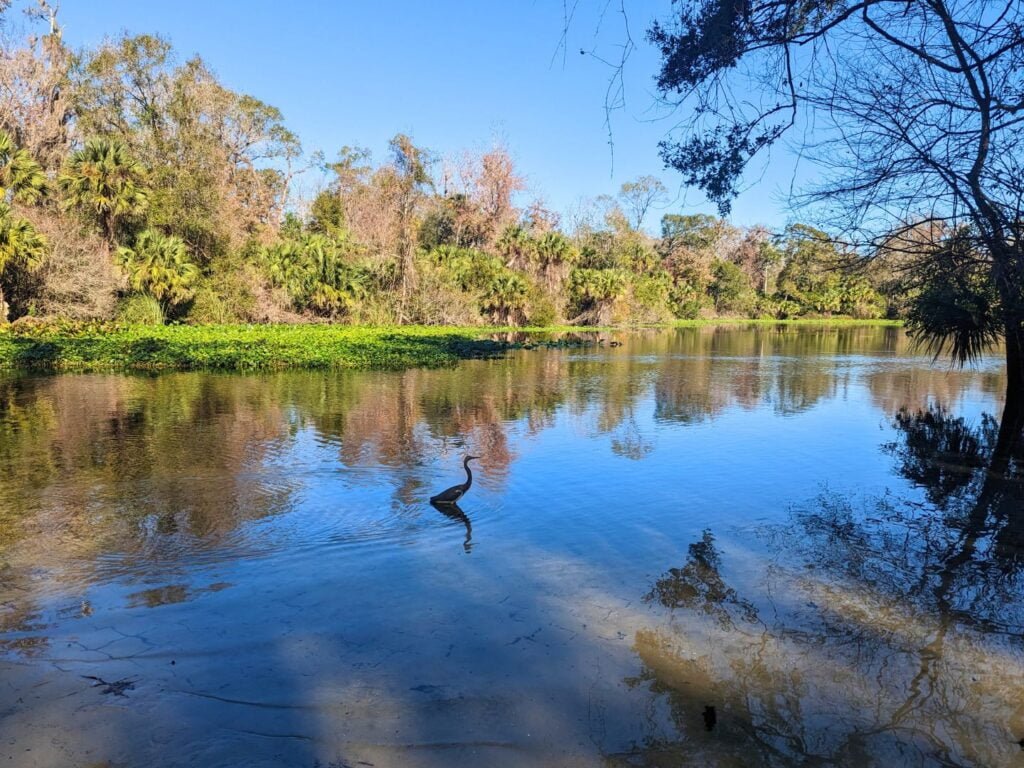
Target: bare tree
637,198
35,108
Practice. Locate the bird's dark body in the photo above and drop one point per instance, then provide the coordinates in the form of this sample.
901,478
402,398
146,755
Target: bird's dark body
456,492
450,496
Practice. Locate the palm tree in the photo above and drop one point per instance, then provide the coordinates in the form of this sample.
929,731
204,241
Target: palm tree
334,285
159,266
285,263
105,182
555,256
20,174
317,273
20,246
505,298
516,246
595,291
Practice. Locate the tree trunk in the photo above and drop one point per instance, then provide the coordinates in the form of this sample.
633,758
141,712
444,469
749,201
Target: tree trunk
1011,427
3,307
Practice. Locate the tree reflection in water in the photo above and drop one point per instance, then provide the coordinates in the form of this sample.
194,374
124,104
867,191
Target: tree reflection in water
886,633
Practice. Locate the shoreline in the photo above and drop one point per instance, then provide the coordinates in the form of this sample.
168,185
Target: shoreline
98,347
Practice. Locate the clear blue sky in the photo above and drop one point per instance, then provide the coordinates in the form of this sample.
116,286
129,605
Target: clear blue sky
451,73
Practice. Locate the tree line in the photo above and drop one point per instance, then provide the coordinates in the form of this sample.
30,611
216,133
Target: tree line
140,188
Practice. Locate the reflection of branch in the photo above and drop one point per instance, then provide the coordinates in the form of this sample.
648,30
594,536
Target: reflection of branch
875,582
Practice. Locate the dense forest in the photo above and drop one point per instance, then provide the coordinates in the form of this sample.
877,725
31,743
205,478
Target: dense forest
138,187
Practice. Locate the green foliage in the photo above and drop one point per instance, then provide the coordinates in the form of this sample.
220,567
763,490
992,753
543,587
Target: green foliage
731,289
96,346
191,178
541,310
104,182
597,285
20,175
652,291
318,273
19,241
697,231
505,297
554,249
956,309
207,308
686,300
594,292
158,265
471,270
327,214
21,247
140,309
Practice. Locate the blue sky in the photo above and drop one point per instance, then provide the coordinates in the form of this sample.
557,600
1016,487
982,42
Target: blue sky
453,74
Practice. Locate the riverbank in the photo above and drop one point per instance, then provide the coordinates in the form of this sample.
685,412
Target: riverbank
88,346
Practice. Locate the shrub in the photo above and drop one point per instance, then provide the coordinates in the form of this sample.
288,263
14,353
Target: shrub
208,308
541,310
139,309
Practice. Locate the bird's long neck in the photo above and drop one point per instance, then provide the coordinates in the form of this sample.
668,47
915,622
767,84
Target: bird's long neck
469,475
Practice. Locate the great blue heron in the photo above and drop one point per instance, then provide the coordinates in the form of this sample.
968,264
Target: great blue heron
456,492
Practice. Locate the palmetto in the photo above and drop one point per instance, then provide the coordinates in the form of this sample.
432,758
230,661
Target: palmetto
103,181
20,246
505,297
20,175
317,273
159,265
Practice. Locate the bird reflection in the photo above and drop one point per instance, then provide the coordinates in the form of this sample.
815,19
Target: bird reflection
453,512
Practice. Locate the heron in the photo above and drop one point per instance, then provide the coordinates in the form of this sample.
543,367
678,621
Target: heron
456,492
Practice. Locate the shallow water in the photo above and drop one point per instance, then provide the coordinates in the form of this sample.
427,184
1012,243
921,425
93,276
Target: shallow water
709,547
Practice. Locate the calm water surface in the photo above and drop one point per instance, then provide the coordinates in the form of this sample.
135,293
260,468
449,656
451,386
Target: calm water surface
711,547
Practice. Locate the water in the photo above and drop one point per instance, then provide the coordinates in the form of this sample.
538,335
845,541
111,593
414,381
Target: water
709,547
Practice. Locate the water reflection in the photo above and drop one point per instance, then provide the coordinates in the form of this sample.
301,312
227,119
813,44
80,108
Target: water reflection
454,512
886,634
642,588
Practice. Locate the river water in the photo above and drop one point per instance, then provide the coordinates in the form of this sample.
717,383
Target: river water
712,547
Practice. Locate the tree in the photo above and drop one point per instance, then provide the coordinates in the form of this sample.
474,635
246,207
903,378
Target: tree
516,245
35,108
638,196
159,265
106,183
955,307
20,175
505,297
317,272
410,176
919,113
595,291
730,287
220,162
554,256
20,246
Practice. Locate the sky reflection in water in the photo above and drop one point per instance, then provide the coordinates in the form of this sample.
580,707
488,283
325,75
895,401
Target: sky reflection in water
711,547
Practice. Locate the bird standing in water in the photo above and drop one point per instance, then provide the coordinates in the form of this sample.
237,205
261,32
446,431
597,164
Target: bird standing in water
456,492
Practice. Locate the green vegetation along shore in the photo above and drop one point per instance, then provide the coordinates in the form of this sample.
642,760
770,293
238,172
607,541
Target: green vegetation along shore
96,346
